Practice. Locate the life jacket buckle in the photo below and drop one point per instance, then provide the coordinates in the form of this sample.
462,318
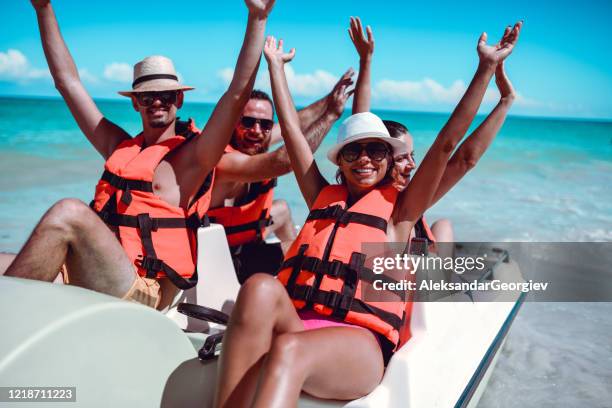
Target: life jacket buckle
314,264
146,223
332,299
333,212
334,268
150,264
344,218
302,293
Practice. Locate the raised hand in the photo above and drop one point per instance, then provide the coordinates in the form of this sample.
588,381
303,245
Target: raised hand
260,7
275,55
338,96
363,45
494,54
38,4
506,90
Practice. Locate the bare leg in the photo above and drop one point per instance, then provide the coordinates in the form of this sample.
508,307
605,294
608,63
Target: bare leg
71,233
262,310
442,230
5,260
341,363
283,226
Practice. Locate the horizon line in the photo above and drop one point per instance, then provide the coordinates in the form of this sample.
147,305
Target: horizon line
202,102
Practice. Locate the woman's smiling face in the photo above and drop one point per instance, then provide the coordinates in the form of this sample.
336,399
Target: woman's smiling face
370,165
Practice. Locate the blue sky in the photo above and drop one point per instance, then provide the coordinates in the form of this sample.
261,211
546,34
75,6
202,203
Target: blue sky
425,51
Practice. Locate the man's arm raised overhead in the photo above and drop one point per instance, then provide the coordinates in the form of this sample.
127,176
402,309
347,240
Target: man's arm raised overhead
103,134
217,132
240,167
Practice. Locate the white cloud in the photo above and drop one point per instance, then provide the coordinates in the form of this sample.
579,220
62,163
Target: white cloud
14,66
312,84
118,72
426,91
87,76
429,91
226,75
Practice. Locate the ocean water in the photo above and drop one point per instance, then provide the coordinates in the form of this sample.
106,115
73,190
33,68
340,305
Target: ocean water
541,180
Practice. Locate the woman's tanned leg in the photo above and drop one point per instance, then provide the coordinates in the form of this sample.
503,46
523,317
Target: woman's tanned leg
71,233
262,311
333,363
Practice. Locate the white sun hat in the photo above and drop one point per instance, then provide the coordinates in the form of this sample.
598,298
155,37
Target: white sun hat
155,74
361,126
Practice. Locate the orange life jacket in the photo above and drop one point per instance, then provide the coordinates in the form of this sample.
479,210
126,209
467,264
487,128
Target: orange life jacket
324,268
247,219
159,238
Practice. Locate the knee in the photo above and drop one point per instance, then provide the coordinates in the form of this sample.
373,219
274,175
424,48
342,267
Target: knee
443,230
286,354
66,213
258,299
282,212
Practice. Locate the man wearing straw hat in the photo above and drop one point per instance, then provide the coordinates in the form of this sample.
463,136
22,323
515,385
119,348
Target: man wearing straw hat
70,236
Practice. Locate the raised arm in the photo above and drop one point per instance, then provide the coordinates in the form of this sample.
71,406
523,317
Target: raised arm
416,198
101,133
472,149
216,134
365,49
237,166
312,113
305,169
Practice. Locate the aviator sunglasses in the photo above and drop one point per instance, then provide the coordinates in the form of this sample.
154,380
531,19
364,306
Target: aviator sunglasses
249,122
148,98
375,151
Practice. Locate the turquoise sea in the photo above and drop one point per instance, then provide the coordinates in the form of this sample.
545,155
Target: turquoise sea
541,180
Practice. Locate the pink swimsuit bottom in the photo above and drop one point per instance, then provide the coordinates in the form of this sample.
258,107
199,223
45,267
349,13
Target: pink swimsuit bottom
313,320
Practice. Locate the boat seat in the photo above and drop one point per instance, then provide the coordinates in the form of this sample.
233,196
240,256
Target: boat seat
217,286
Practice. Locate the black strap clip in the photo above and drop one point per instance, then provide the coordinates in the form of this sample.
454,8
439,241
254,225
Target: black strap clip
332,298
333,212
344,218
126,197
334,269
146,224
151,264
314,264
302,293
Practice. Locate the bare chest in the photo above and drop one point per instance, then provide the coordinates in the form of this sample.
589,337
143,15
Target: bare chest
226,194
176,184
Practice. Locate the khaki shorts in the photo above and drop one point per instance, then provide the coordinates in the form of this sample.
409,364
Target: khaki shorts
144,290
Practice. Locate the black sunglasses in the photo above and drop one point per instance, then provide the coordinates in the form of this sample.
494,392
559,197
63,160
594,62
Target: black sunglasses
375,151
249,122
149,98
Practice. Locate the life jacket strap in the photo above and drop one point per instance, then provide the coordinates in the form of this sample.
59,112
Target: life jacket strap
193,222
344,217
122,183
341,304
341,270
255,190
258,225
154,265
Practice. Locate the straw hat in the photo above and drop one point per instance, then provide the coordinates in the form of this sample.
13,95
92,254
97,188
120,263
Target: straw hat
155,74
361,126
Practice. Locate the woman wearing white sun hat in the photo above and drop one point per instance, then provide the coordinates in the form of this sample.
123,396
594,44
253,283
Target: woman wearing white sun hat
317,328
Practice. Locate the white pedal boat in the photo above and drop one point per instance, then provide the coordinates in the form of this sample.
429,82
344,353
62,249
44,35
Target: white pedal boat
122,354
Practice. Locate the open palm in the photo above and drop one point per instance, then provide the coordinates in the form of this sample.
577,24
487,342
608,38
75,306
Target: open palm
274,54
494,54
363,45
